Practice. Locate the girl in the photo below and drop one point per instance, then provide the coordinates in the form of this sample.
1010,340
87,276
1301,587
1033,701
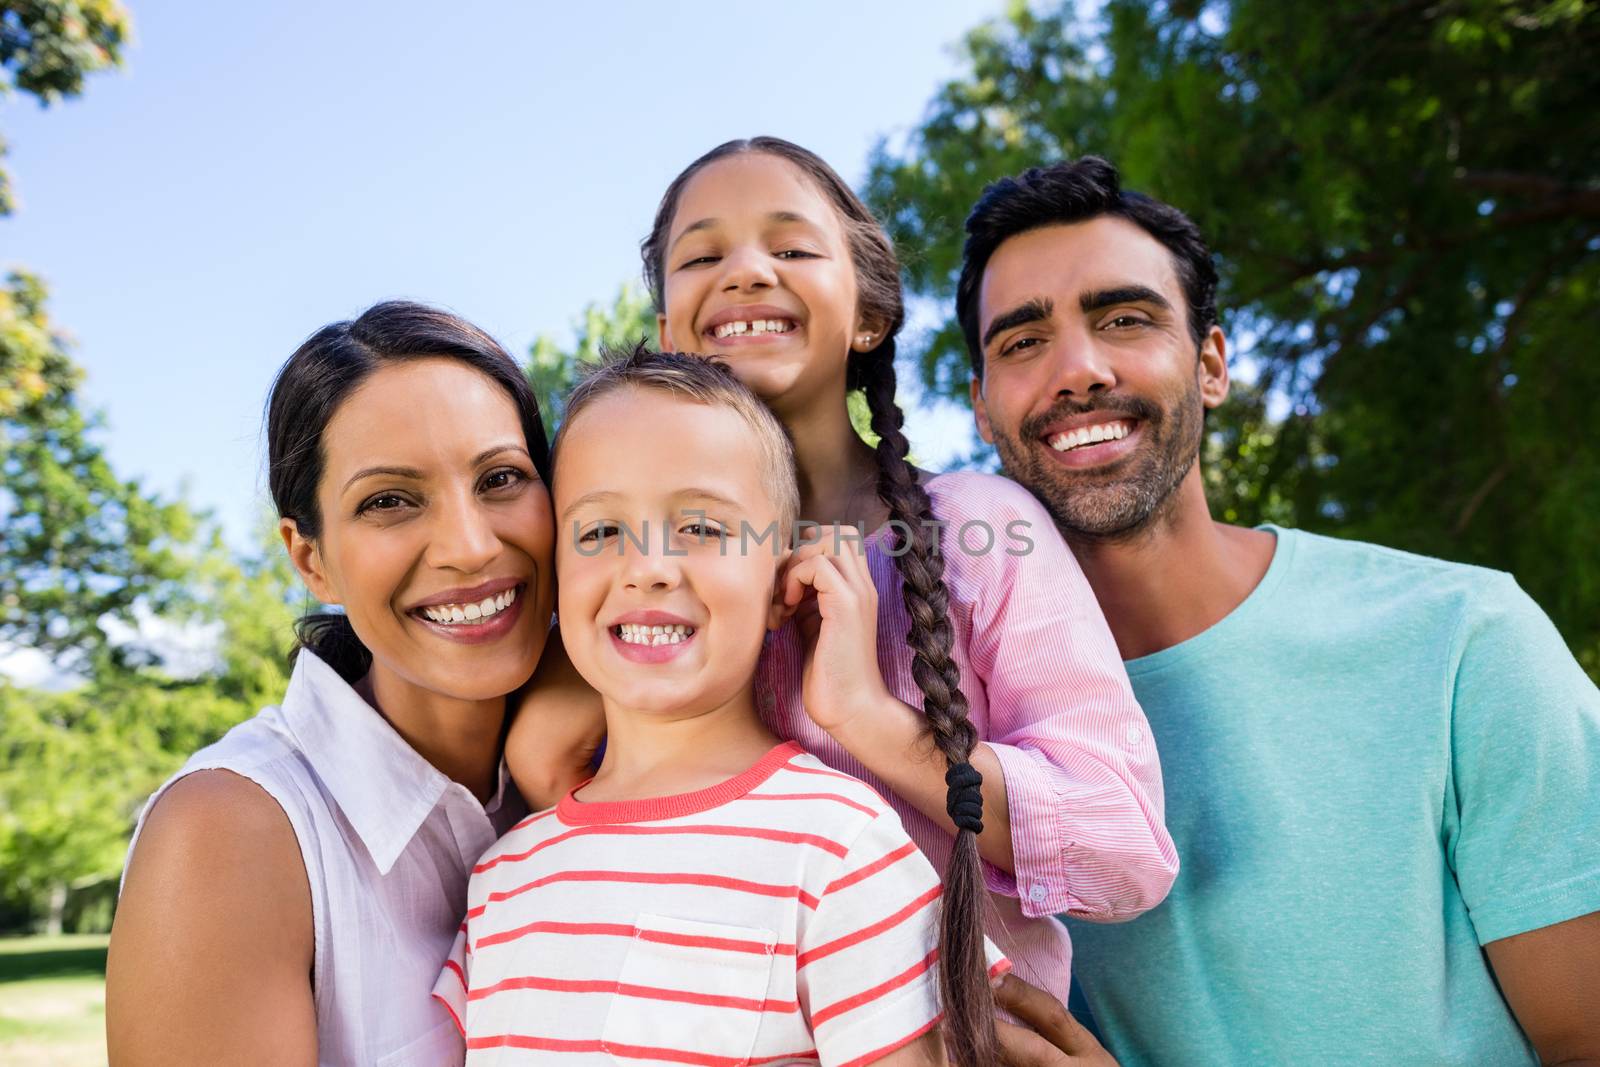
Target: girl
988,644
712,895
291,891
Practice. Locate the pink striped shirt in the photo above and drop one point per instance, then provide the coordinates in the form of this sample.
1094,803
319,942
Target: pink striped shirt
1048,692
779,917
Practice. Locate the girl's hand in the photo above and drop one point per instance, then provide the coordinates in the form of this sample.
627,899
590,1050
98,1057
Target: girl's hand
827,585
558,727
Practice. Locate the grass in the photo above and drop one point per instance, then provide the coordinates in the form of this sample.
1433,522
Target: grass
53,1001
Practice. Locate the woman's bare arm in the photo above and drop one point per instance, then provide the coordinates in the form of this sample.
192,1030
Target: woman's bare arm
211,951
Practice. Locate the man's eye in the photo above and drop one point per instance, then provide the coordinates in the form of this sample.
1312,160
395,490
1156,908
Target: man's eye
1125,321
1019,344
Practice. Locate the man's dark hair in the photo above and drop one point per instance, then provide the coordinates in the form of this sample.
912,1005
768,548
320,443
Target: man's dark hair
1076,192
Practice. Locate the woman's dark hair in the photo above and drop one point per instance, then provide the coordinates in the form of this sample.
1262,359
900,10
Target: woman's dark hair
1076,192
308,392
963,970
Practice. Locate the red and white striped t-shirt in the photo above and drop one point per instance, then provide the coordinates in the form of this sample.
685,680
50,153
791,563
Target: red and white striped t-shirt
782,916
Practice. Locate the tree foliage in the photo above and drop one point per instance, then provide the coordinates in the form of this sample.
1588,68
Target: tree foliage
47,47
1405,202
553,369
77,543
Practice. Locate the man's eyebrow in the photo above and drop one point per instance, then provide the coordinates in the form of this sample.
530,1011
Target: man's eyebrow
1096,299
1038,309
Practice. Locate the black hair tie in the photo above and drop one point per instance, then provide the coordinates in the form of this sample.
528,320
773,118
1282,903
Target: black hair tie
964,800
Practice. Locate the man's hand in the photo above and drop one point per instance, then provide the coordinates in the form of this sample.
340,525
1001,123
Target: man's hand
1060,1040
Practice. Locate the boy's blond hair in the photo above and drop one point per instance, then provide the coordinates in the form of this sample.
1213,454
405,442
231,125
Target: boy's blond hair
702,380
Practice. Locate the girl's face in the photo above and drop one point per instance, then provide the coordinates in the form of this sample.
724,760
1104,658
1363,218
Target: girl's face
672,628
436,531
758,271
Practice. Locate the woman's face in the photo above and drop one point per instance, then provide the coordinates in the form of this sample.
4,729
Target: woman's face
436,531
666,591
758,271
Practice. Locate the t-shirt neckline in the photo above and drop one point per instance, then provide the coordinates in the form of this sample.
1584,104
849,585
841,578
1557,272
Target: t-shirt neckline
1282,556
574,812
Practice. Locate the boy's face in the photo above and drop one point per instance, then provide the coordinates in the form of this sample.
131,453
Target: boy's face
663,594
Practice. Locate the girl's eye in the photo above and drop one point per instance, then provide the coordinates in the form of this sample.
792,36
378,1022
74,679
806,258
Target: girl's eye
504,478
698,261
795,253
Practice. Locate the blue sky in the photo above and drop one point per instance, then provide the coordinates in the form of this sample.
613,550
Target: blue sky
257,170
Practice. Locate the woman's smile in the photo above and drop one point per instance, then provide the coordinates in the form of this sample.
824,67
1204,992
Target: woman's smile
474,616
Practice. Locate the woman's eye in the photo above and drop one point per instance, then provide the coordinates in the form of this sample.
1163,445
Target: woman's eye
383,502
504,478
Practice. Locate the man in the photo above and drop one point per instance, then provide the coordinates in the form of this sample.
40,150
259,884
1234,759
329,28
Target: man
1381,769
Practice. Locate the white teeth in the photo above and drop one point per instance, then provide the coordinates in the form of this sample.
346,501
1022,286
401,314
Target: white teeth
1089,435
752,327
451,614
633,633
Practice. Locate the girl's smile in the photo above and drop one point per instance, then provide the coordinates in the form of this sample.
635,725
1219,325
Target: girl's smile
651,636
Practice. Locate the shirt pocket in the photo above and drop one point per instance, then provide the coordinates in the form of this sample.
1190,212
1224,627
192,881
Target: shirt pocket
439,1047
690,987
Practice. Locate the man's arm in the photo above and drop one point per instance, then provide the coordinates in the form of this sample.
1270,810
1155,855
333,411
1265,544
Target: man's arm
1551,979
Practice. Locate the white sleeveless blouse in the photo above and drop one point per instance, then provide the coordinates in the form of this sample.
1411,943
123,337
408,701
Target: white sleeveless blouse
388,843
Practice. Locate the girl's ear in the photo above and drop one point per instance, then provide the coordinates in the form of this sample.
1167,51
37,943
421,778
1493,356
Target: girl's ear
664,333
869,333
777,611
307,561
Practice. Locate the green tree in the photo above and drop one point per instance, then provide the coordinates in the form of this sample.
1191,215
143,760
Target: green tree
1405,202
47,48
553,369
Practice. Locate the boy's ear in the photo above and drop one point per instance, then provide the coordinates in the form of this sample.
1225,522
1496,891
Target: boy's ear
777,611
664,333
307,561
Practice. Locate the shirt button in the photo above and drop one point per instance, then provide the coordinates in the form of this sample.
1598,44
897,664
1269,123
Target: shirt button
1037,892
1133,734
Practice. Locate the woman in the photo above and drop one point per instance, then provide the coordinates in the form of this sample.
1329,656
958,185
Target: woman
291,892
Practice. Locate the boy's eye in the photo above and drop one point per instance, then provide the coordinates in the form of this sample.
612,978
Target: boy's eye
705,530
597,533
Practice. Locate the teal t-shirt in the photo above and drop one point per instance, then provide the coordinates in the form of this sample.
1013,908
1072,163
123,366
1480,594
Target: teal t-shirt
1375,765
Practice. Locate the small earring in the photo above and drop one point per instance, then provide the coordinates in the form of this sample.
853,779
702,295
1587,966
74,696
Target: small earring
864,340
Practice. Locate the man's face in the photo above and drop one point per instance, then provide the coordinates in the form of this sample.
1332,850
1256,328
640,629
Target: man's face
1092,389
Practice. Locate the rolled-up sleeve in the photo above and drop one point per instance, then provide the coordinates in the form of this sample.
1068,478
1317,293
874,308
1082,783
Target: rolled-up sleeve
1083,782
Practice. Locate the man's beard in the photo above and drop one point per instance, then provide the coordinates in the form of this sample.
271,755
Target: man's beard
1090,506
